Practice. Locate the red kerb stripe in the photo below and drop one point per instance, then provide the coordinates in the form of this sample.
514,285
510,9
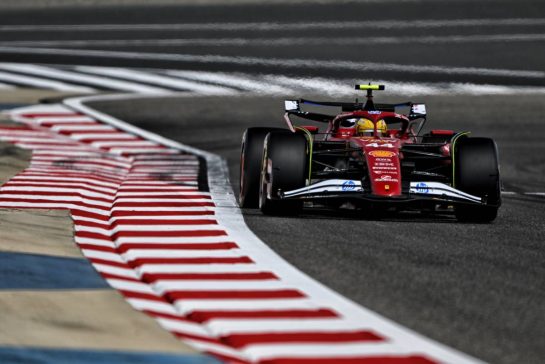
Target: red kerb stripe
165,222
91,215
168,234
39,202
109,262
153,277
167,315
211,260
50,115
391,359
180,196
161,213
184,335
18,127
203,316
255,294
162,204
123,248
242,340
144,296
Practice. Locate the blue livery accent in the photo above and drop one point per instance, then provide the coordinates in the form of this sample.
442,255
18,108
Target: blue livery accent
348,186
422,188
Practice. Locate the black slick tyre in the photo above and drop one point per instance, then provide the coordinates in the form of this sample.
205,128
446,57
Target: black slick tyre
284,168
250,165
477,172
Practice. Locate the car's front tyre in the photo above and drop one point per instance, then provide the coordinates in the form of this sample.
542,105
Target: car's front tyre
283,168
476,171
250,165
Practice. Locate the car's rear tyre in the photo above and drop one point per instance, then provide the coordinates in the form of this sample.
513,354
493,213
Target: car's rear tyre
284,167
477,173
250,165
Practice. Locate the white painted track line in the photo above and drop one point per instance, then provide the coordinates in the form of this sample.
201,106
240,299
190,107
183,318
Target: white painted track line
271,26
288,63
221,83
159,80
283,41
79,77
242,81
42,83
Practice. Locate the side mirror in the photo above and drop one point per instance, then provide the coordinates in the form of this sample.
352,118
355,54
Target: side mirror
417,111
291,105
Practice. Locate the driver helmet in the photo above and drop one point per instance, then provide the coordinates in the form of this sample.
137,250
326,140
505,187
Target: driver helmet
365,127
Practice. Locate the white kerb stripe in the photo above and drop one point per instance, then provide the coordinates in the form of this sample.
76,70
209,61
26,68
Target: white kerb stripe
183,253
222,327
103,268
75,128
130,286
183,326
175,240
96,242
152,305
107,136
97,254
324,350
210,285
189,305
143,304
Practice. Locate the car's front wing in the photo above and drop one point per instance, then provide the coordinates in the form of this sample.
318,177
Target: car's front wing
353,189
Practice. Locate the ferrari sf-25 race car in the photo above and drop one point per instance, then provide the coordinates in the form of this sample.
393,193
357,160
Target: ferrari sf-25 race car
370,157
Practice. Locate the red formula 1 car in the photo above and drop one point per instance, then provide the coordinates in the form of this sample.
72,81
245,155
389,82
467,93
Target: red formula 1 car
371,158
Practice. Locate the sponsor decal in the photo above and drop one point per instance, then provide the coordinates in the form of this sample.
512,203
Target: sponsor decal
382,153
348,186
386,178
421,187
373,112
382,144
382,167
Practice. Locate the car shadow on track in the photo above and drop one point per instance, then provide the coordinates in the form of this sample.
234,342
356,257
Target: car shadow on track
354,215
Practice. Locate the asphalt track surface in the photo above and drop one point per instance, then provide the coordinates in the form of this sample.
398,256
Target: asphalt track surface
477,288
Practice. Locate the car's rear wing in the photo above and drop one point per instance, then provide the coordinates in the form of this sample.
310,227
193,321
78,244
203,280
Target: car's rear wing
416,108
293,107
